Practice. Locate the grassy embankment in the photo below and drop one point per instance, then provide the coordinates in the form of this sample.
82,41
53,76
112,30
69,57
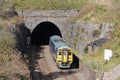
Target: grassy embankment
12,67
106,13
47,4
11,64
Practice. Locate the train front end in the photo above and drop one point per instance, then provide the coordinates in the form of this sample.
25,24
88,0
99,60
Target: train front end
64,57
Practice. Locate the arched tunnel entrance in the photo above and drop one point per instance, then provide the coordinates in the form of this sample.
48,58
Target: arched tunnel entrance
42,33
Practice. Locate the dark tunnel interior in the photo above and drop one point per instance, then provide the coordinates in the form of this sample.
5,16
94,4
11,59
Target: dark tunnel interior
42,33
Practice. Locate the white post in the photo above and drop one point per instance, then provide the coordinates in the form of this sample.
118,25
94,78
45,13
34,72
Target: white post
107,54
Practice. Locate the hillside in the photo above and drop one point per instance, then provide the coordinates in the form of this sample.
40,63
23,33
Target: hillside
94,11
12,67
45,4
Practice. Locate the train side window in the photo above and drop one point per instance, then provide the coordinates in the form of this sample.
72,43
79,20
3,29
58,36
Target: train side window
69,53
60,53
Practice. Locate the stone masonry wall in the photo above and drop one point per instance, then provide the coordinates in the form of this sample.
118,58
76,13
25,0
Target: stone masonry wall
77,34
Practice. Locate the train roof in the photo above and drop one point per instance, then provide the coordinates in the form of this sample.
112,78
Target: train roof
58,42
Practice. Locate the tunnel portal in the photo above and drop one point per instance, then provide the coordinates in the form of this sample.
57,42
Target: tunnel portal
42,33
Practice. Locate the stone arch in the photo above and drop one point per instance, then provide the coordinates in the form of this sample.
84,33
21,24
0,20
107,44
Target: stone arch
42,32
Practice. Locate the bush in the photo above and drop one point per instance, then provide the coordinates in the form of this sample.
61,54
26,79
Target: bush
86,49
96,33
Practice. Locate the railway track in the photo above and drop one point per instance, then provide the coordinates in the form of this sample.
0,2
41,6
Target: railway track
45,67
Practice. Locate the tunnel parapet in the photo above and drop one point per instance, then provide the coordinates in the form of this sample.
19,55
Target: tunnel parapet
48,13
58,17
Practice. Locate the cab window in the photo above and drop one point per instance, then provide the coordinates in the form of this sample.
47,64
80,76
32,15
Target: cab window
60,53
69,53
65,52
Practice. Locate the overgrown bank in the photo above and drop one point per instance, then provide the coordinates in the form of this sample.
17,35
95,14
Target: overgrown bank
12,66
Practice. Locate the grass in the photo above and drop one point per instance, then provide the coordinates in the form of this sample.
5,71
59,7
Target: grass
95,14
89,11
98,13
96,60
47,4
118,78
11,64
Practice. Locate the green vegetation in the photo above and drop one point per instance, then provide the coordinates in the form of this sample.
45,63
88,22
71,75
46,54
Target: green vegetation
118,78
94,13
47,4
11,65
96,59
86,50
101,12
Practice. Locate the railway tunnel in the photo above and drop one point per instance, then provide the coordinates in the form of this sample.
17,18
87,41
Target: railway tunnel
42,33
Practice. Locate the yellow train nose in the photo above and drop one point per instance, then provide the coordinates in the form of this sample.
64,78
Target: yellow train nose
64,58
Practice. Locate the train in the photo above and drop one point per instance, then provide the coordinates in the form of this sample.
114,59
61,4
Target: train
61,52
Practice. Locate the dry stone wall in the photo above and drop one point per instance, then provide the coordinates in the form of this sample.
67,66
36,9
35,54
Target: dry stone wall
82,33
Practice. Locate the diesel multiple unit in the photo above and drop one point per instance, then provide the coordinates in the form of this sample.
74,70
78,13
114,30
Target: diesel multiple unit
61,52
